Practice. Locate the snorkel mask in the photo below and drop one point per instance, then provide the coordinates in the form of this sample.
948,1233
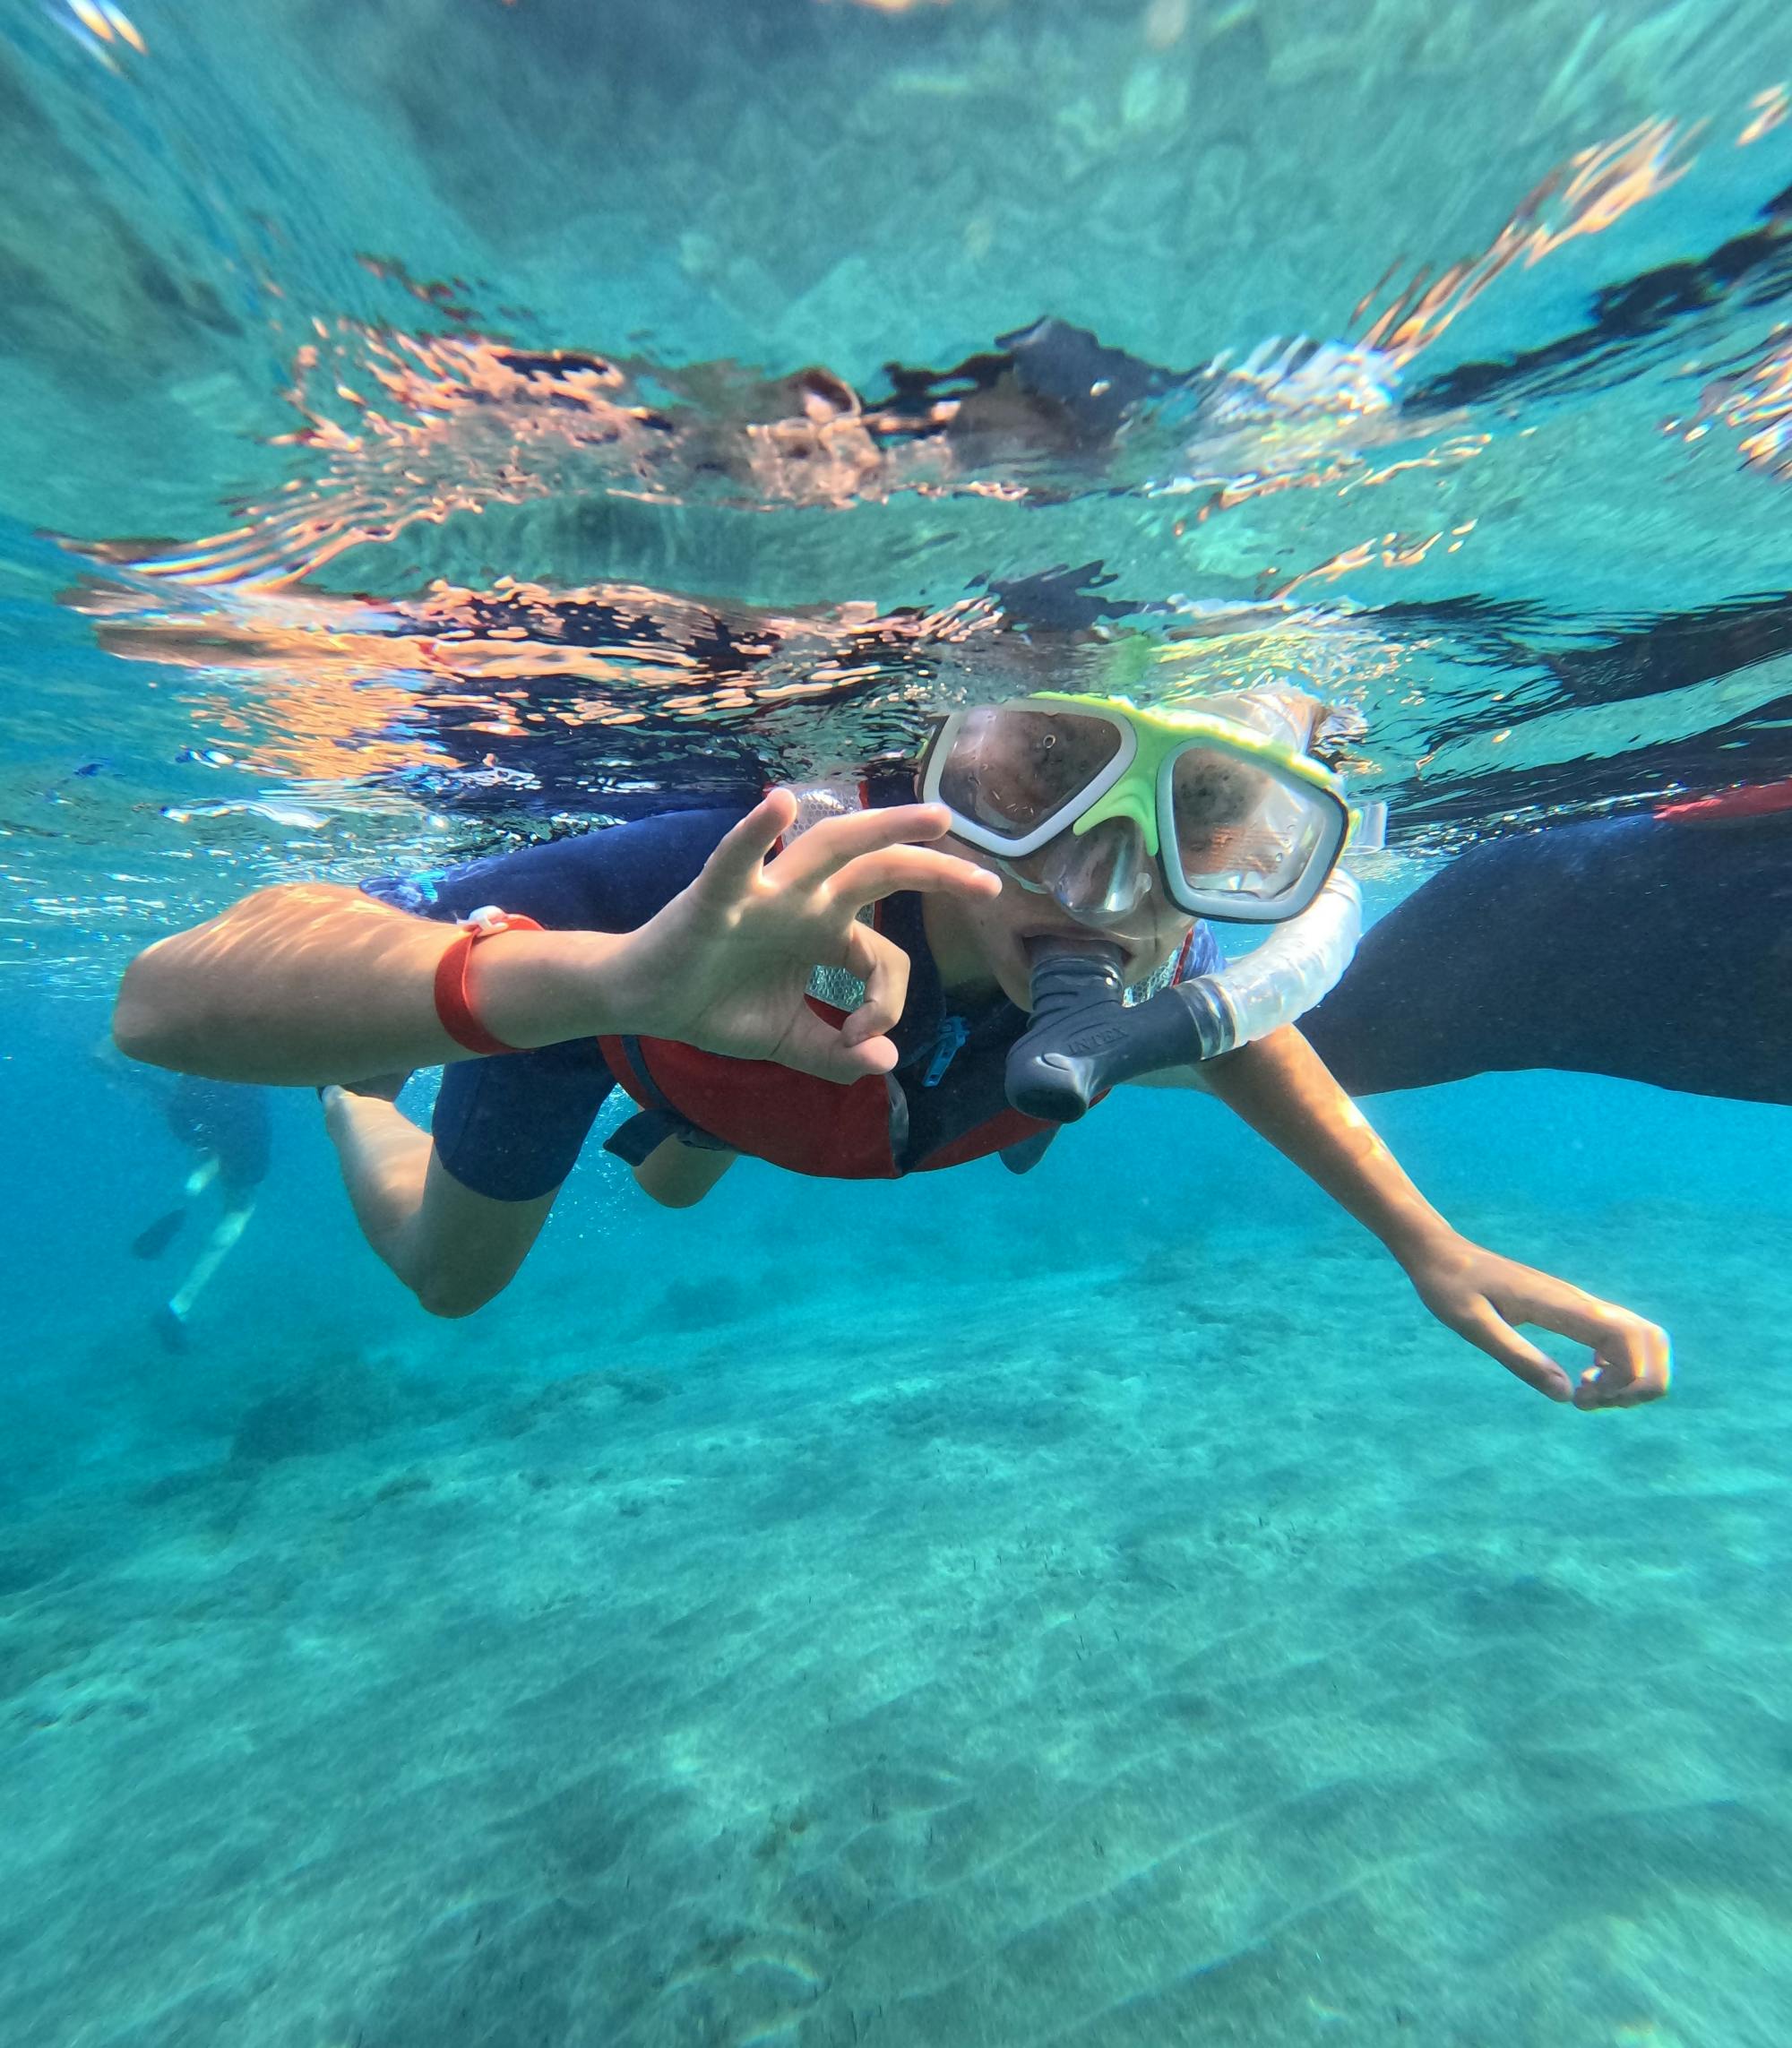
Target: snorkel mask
1094,801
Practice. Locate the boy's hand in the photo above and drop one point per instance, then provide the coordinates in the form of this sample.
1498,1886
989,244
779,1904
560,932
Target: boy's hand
725,965
1481,1296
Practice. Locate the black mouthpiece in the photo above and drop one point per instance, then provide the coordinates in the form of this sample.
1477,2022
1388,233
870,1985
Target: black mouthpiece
1084,1040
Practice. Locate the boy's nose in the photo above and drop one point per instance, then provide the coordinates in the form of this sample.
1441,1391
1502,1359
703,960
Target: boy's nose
1101,876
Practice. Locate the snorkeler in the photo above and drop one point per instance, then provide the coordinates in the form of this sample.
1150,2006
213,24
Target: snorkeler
1653,948
979,1007
225,1125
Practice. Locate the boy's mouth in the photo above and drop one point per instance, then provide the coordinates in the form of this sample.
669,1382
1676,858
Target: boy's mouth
1067,939
1070,937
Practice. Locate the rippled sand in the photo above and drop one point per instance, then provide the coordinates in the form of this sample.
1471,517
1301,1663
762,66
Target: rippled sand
1186,1647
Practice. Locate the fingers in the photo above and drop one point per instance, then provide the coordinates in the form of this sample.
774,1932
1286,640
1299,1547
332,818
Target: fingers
825,849
874,875
1632,1358
861,858
1536,1297
1483,1296
741,852
813,1047
881,965
1634,1363
1483,1325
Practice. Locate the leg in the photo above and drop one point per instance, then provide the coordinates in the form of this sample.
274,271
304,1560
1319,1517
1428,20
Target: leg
453,1248
1635,947
679,1175
225,1233
152,1243
170,1318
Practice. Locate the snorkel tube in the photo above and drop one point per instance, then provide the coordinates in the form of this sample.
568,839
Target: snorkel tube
1085,1036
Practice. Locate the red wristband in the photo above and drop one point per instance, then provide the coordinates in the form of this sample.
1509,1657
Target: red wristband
453,1005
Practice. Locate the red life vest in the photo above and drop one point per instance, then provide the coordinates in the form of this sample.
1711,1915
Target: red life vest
855,1130
840,1131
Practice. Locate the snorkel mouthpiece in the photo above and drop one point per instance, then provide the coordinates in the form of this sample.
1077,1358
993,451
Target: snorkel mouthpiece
1084,1038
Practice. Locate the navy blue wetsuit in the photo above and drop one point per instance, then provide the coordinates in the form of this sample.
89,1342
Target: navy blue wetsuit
1647,947
512,1127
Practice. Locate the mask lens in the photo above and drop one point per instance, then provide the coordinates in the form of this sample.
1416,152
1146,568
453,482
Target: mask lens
1011,769
1243,830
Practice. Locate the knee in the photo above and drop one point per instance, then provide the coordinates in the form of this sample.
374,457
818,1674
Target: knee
453,1295
671,1195
679,1175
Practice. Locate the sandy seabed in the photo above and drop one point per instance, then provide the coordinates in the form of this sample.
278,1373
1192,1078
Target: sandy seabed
1173,1650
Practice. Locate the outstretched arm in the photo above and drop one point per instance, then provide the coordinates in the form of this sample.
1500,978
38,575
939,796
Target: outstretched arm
1283,1090
306,985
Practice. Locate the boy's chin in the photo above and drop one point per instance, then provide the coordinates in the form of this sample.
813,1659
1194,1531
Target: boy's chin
1016,983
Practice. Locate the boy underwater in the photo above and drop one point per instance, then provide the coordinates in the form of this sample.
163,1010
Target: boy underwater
675,956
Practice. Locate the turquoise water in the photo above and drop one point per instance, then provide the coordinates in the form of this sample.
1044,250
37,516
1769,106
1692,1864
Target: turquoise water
1096,1608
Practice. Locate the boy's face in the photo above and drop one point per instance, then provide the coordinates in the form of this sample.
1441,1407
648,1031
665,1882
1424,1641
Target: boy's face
988,941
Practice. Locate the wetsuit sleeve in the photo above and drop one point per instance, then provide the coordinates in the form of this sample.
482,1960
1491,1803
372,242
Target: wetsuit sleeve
512,1127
